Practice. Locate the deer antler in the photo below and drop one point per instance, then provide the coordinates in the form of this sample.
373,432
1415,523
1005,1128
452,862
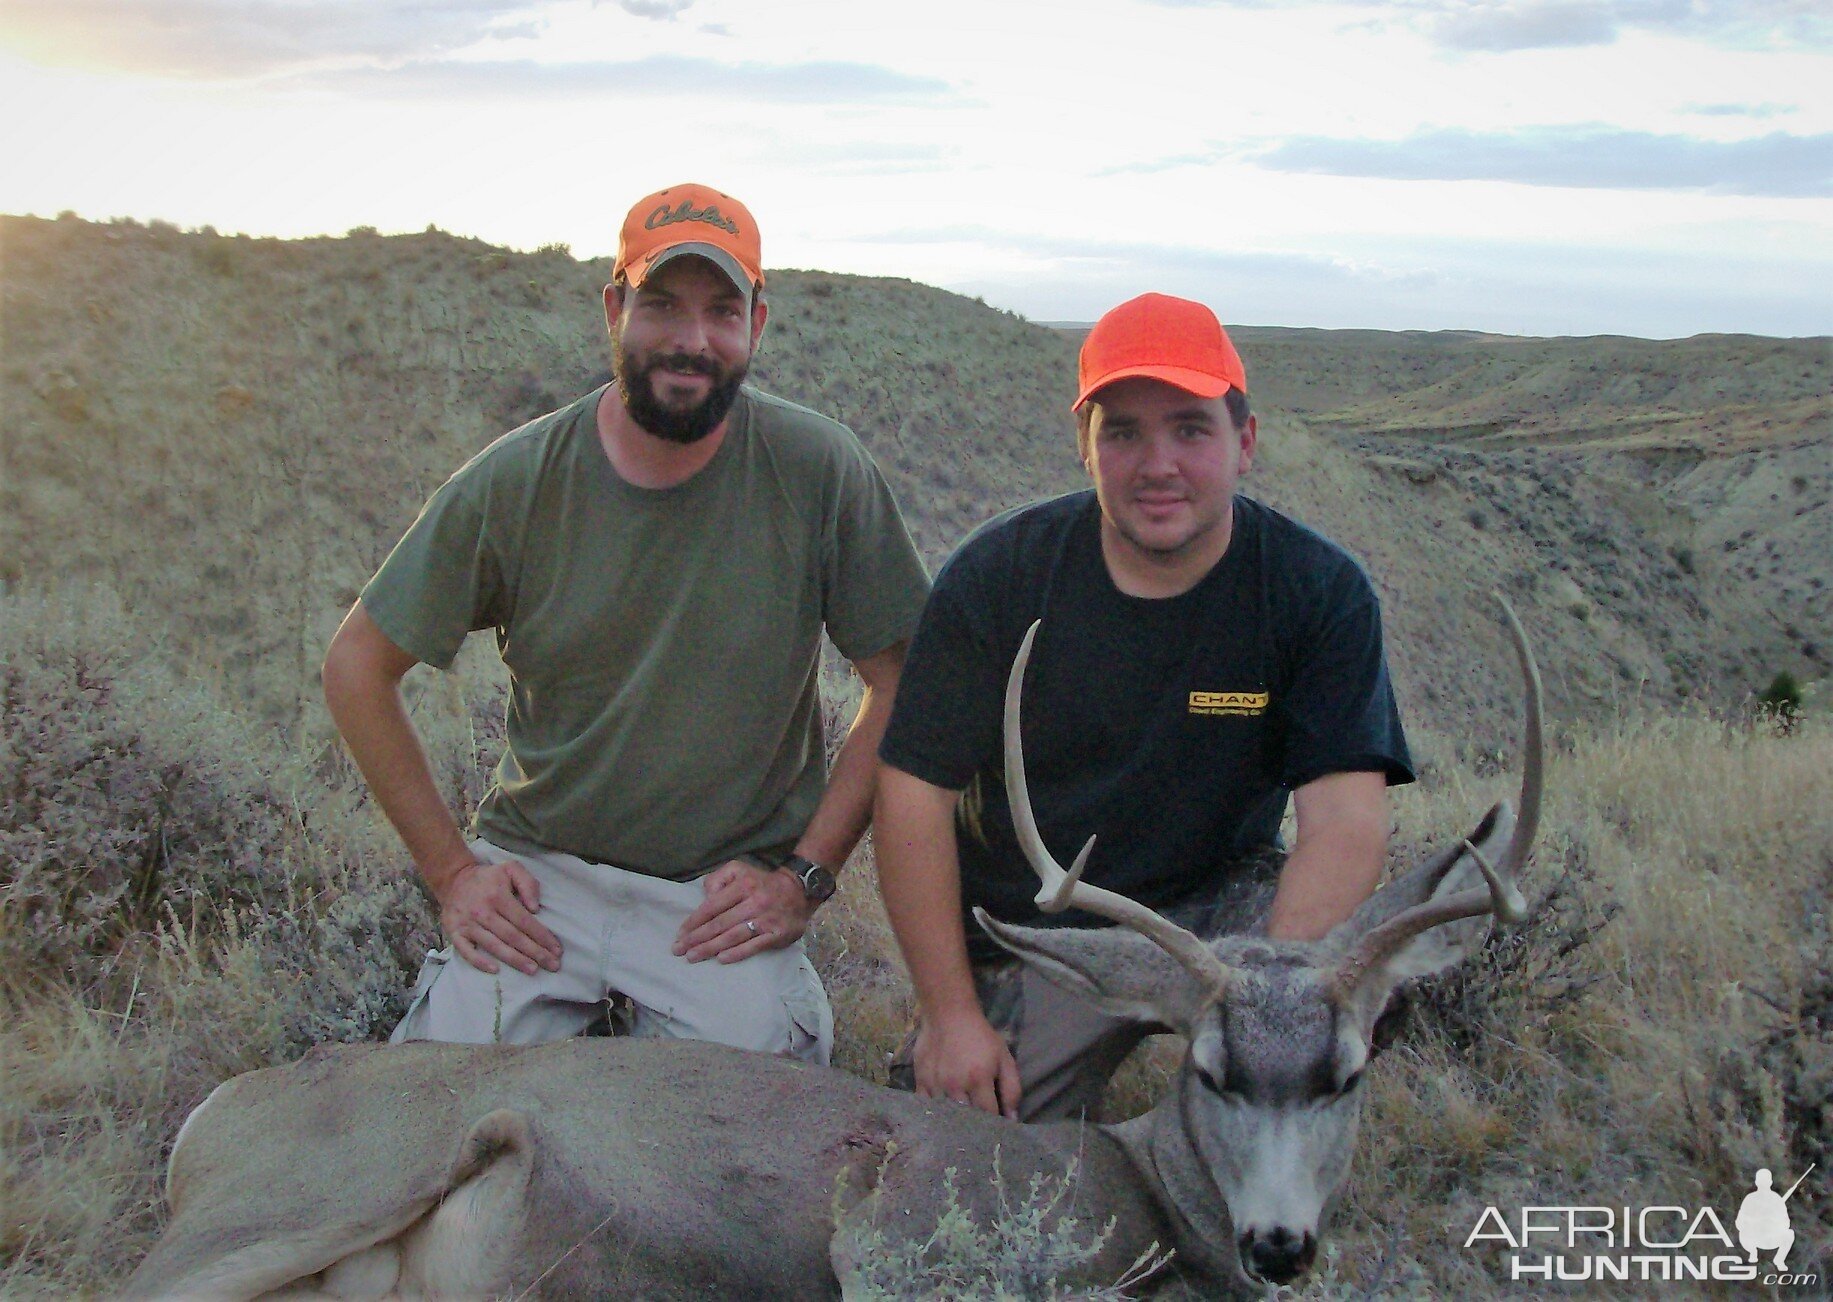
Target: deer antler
1528,822
1501,899
1062,889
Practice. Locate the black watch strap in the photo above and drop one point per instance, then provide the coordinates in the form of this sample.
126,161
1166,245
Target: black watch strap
818,883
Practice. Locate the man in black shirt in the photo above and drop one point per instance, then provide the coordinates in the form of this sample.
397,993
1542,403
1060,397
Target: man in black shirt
1201,659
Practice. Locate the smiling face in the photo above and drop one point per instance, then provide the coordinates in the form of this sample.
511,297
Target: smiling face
684,341
1165,464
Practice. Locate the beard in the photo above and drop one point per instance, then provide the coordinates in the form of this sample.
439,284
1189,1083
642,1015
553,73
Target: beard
676,424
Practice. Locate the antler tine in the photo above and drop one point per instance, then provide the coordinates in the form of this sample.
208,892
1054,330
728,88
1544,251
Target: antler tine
1505,901
1375,948
1060,889
1527,820
1502,900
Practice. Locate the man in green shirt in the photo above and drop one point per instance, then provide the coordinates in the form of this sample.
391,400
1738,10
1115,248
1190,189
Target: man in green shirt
657,560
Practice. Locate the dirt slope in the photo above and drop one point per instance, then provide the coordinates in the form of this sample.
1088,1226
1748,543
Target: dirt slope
232,433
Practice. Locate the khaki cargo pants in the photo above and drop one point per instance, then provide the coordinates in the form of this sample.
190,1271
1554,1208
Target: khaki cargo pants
616,929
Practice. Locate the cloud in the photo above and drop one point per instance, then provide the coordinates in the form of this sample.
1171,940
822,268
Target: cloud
1151,166
1493,25
661,10
1776,165
1077,280
865,158
1424,282
1533,24
251,38
667,74
1504,25
1085,261
1757,111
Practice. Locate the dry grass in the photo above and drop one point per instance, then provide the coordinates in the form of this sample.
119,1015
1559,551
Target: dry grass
1666,1027
309,394
1686,1061
1653,1038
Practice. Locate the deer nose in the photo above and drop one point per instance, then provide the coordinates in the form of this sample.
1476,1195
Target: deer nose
1278,1256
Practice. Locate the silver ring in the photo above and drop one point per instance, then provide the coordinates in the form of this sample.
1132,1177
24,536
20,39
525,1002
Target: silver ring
752,925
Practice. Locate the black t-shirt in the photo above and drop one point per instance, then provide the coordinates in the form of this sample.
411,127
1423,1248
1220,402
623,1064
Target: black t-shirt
1174,728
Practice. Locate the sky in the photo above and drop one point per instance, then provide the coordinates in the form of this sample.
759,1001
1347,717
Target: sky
1572,167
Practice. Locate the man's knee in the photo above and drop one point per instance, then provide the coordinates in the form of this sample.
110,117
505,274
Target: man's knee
776,1007
456,1003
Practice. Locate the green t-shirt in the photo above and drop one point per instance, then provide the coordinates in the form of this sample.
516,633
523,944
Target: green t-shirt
662,643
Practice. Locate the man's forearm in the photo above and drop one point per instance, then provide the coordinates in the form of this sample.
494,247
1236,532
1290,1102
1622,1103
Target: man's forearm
367,708
1337,862
846,806
919,876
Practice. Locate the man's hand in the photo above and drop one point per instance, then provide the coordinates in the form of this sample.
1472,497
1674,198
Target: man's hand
963,1058
487,911
747,910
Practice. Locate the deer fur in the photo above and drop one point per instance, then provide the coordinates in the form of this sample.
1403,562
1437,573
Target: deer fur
676,1169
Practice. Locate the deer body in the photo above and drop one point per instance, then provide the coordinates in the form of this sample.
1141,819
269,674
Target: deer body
626,1168
672,1169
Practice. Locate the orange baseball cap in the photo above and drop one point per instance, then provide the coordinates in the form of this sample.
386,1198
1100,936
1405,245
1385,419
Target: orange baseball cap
690,219
1169,339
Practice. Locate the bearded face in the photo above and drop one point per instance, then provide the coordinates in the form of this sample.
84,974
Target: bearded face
677,412
682,342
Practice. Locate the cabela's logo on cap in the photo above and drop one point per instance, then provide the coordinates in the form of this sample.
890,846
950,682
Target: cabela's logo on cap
666,216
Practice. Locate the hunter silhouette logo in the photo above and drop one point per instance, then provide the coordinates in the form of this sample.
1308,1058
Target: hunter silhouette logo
1763,1219
1599,1244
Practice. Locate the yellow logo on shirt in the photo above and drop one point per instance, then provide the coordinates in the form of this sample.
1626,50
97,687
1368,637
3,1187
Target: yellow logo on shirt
1228,702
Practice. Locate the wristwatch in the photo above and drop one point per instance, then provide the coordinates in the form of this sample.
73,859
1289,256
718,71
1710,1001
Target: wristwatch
818,883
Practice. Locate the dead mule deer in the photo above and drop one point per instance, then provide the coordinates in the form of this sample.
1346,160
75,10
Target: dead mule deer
670,1169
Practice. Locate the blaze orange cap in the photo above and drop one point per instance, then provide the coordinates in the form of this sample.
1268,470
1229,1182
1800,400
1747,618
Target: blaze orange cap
1169,339
690,219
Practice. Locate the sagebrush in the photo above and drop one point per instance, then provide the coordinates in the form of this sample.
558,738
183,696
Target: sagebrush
186,898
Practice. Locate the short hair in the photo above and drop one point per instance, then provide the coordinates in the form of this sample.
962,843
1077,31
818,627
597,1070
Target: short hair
1239,410
1235,401
621,283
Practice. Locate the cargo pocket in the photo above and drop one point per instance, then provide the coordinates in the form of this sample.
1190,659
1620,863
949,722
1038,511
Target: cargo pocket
811,1018
415,1018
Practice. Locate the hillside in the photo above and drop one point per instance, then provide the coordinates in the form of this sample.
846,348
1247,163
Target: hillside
1679,489
232,432
224,436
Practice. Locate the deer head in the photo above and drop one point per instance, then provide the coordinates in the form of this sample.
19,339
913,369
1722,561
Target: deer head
1256,1135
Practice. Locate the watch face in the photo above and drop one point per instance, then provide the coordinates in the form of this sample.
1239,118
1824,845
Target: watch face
817,882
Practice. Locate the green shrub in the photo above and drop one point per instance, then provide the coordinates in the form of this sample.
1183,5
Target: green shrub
217,256
1021,1250
1780,702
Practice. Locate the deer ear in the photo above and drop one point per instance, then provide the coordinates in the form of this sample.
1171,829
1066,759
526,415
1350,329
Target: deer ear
1445,946
1115,968
1435,949
1209,1051
1448,873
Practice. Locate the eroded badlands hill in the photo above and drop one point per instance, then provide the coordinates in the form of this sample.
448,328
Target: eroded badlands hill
232,433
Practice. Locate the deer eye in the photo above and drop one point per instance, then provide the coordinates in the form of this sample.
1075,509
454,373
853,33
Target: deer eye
1209,1082
1354,1079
